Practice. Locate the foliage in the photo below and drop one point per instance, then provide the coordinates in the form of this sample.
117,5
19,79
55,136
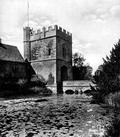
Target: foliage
113,101
107,80
13,87
78,60
107,77
36,81
80,70
114,129
88,74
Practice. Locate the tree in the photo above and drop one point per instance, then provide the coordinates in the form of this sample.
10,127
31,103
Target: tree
88,74
80,70
78,60
107,77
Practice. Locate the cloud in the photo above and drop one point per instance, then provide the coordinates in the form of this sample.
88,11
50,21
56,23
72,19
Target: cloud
115,11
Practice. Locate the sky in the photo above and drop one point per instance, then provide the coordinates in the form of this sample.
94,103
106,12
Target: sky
94,24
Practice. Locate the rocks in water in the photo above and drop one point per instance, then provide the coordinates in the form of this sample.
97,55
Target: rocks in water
71,134
89,110
30,134
59,126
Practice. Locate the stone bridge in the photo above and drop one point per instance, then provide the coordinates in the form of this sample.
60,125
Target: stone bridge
80,85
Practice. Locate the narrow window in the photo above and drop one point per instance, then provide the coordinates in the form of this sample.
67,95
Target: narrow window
49,51
64,52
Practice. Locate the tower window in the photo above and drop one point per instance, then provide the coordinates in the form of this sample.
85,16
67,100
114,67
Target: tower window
49,51
64,52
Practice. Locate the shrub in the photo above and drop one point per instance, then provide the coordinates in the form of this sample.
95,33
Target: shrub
113,99
14,87
36,81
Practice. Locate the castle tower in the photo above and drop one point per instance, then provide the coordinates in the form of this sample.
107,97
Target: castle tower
50,53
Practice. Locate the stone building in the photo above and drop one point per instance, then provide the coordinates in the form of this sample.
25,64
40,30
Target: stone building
12,64
50,53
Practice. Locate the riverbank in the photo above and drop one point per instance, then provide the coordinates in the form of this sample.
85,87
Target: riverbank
60,116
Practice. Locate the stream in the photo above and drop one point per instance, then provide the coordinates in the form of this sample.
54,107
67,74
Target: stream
53,116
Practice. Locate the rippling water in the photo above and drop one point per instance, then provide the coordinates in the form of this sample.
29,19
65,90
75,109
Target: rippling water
54,116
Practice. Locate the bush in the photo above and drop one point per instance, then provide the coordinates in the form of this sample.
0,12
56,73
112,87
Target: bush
38,87
42,91
13,87
36,81
113,99
114,129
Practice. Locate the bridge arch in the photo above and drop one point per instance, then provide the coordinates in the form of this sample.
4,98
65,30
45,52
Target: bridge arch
77,86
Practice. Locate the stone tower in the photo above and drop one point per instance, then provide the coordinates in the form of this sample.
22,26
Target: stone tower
50,53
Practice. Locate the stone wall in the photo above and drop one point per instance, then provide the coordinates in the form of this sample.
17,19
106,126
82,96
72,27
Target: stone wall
51,31
43,59
43,49
46,70
77,85
64,57
11,70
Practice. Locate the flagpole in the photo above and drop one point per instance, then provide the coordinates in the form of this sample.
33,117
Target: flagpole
28,11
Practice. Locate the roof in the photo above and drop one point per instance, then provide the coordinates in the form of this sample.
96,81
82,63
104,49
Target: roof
10,53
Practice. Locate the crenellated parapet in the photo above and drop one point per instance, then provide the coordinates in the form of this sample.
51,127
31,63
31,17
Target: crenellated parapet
50,31
64,34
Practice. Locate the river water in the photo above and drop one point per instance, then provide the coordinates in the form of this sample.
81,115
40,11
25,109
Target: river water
54,116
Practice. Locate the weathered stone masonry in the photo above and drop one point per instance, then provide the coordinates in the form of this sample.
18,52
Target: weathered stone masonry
50,53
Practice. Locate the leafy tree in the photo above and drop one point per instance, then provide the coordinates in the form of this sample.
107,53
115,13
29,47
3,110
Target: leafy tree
88,74
80,70
78,60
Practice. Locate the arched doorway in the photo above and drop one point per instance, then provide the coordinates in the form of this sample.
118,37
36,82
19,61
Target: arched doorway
64,73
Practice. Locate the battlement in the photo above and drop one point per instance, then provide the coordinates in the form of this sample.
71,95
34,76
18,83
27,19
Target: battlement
46,32
50,29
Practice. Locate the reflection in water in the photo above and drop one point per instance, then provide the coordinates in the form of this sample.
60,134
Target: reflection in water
54,116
